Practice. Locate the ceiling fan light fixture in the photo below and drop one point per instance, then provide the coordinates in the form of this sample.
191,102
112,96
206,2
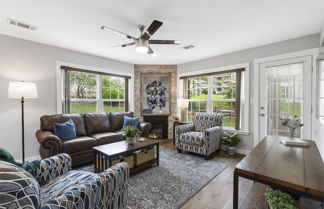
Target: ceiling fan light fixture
141,49
141,46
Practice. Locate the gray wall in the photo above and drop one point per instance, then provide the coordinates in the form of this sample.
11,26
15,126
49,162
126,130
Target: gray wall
30,61
303,43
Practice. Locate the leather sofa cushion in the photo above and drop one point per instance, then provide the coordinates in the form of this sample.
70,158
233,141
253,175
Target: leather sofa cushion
108,137
47,122
79,144
117,119
96,122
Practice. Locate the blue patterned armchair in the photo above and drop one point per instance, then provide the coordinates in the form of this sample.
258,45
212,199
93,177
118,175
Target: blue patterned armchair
64,188
203,136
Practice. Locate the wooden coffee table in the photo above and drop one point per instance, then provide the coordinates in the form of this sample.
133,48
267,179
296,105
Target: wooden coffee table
105,154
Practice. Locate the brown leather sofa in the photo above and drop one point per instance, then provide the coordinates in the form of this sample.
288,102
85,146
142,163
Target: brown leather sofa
92,129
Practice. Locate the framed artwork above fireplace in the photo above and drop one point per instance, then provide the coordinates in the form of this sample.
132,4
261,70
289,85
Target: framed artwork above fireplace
155,93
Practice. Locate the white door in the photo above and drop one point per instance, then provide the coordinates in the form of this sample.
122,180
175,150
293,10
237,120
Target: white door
285,90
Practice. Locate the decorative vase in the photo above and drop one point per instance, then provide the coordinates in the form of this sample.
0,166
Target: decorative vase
231,150
130,140
292,133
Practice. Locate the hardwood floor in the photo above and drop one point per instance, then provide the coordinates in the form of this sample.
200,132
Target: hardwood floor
218,193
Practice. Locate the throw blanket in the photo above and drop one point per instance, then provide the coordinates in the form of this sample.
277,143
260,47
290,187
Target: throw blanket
30,167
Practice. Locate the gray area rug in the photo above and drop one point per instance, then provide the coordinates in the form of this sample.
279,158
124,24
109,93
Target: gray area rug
170,185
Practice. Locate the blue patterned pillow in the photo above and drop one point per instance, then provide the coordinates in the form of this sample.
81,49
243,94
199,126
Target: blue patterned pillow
130,121
65,131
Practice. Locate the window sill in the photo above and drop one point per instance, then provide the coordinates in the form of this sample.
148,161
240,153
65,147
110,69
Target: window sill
241,132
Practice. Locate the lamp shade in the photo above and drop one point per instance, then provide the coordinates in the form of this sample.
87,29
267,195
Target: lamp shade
22,89
183,103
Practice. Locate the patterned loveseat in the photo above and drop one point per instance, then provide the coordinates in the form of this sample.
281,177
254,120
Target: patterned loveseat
63,188
203,136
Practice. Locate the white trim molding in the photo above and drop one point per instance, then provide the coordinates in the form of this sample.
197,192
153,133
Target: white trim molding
245,99
256,71
59,88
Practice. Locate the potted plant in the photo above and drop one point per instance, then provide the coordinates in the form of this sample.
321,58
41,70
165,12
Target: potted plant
231,140
225,142
131,133
277,199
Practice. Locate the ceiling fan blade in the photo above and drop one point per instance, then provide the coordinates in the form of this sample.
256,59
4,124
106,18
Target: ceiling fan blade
150,51
155,25
117,32
123,45
175,42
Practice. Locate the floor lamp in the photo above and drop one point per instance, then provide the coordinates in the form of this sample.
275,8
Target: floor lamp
22,90
183,104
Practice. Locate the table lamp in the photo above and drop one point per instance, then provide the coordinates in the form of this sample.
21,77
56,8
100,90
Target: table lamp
22,90
183,104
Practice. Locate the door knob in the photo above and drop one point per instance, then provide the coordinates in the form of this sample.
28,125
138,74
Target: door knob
262,114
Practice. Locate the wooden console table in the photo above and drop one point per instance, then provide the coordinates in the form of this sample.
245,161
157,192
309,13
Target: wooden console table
297,170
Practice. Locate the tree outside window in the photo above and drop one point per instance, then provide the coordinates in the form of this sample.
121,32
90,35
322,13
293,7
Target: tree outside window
91,92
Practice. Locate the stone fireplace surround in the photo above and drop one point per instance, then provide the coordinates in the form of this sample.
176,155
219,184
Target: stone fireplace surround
172,69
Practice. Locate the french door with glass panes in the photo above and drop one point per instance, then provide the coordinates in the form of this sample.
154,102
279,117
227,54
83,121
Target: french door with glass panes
285,91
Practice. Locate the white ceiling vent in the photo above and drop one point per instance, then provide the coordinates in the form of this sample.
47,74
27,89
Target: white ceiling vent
21,24
189,46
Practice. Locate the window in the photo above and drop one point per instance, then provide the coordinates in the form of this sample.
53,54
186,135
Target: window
321,92
93,92
113,94
216,93
198,95
223,97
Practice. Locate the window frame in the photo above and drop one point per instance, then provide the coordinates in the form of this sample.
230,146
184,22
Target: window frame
210,97
99,100
245,91
60,90
320,64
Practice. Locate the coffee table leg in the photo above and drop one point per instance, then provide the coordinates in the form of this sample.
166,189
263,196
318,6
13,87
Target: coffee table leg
235,191
95,162
158,154
110,163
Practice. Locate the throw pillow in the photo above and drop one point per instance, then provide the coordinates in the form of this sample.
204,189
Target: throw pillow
130,121
65,131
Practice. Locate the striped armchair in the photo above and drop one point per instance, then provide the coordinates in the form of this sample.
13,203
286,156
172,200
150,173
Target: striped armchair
64,188
203,136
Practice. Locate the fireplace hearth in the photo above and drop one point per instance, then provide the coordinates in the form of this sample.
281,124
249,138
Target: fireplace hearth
159,126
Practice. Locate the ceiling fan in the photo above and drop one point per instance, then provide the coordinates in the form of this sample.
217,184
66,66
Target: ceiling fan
142,43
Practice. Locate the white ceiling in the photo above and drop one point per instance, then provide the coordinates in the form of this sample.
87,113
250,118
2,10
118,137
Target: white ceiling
214,27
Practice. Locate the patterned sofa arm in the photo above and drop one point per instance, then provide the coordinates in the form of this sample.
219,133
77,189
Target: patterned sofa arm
52,167
213,136
108,189
18,188
182,129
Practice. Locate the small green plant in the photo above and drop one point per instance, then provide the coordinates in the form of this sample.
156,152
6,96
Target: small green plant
130,131
231,140
277,199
